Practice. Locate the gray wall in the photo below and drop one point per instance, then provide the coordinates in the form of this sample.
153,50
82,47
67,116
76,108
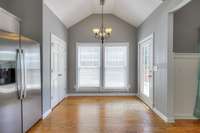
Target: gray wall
157,23
3,4
51,24
30,11
186,25
82,32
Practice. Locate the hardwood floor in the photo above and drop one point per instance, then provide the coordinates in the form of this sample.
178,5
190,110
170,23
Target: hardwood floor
108,115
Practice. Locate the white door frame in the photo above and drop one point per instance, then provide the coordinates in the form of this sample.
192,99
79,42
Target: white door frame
57,40
151,36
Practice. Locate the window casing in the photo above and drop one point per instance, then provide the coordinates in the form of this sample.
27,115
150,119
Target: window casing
102,67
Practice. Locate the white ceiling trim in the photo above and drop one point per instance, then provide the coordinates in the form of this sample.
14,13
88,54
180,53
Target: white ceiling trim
71,12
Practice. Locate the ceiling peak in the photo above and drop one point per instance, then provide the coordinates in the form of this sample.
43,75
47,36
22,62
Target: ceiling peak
71,12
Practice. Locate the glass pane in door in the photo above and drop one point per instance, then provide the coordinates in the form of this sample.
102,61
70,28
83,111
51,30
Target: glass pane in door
146,65
146,72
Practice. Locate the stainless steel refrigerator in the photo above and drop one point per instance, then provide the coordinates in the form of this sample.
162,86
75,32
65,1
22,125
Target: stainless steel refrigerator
20,82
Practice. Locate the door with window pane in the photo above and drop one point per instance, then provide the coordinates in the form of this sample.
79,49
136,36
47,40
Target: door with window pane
146,70
115,69
88,67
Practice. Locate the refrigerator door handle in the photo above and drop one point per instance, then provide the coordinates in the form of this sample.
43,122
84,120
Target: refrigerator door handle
24,74
21,71
18,74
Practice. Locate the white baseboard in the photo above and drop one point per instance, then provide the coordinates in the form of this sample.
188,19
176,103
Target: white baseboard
46,114
185,117
162,116
101,94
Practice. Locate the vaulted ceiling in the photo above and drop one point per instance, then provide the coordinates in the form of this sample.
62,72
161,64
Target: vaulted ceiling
71,12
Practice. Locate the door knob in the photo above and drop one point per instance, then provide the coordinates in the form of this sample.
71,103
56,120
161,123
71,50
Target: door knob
59,75
150,76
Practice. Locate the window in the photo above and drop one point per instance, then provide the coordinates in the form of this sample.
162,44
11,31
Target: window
88,66
116,67
102,68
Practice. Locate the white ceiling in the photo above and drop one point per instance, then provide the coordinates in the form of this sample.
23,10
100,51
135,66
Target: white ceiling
71,12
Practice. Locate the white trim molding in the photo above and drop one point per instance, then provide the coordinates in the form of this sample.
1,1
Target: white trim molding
186,55
102,94
46,114
163,117
185,117
151,36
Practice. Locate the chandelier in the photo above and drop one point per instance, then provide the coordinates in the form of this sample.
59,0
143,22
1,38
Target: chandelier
102,33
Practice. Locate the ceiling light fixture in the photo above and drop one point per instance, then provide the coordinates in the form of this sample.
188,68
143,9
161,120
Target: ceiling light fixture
102,33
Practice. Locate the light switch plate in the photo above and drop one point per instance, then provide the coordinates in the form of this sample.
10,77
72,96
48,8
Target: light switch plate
155,68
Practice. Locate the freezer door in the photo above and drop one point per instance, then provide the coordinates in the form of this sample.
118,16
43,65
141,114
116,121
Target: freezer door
10,104
32,83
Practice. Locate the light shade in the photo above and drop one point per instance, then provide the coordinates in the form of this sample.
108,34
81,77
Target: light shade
108,30
96,30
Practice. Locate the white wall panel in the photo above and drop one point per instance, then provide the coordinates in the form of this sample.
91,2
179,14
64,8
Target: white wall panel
186,73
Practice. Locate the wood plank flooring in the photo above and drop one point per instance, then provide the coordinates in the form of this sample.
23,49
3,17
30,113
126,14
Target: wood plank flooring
108,115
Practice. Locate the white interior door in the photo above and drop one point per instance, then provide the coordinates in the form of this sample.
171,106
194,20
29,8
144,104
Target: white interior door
62,68
54,74
58,70
146,70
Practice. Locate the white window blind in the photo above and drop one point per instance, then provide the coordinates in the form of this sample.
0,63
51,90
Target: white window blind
102,70
88,66
116,67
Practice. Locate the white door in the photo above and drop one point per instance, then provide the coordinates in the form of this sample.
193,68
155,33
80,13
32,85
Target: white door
58,70
146,70
54,74
62,71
